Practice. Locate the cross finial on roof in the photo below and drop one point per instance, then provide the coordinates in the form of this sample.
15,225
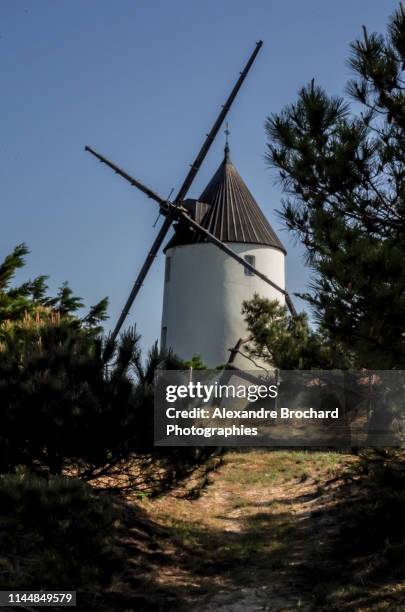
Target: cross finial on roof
227,132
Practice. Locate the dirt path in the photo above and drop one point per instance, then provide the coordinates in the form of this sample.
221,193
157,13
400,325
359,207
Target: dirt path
259,535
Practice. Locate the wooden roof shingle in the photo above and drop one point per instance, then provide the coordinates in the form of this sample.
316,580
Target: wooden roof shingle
227,209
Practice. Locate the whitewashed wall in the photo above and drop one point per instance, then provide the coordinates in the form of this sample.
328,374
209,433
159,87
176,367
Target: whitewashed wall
203,298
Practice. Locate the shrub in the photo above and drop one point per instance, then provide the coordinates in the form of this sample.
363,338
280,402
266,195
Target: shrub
66,397
55,534
71,398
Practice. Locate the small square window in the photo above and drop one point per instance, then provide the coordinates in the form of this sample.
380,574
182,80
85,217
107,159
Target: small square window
167,269
251,259
164,338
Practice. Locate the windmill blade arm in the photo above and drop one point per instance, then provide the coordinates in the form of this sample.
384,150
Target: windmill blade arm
215,128
175,212
203,151
134,182
224,247
142,273
290,304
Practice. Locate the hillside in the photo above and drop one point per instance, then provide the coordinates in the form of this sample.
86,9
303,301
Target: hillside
267,531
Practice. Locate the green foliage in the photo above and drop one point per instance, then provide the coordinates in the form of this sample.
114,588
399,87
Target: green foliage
11,264
62,402
31,299
55,534
285,342
66,302
344,179
67,394
144,392
196,363
156,360
72,398
14,302
380,525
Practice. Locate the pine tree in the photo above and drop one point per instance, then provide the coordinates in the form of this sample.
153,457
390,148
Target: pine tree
70,396
286,342
30,301
66,392
343,171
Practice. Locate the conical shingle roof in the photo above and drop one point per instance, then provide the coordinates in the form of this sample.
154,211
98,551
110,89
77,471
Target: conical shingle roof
227,209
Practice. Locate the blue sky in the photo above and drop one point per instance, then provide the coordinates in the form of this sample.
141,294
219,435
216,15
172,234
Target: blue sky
142,81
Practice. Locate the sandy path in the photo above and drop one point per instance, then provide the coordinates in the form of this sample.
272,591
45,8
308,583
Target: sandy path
246,542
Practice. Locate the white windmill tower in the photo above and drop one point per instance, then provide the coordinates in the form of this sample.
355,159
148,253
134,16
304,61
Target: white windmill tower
204,286
223,252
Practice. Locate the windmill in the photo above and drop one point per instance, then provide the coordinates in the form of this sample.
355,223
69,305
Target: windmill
175,211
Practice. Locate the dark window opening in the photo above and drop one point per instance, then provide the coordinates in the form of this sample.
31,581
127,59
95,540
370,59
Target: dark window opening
167,269
164,337
251,259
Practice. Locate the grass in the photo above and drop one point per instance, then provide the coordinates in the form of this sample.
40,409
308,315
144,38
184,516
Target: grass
291,529
274,467
241,529
277,530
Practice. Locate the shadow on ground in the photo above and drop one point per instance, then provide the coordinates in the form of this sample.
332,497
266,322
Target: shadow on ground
304,543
